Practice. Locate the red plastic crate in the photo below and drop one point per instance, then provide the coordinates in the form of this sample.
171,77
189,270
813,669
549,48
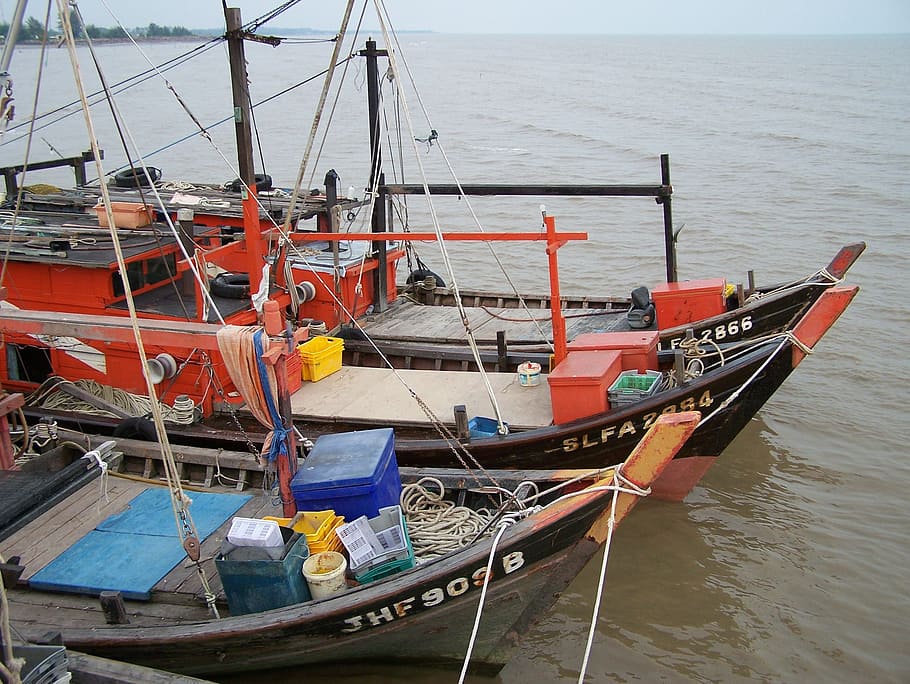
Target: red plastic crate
638,348
579,384
692,300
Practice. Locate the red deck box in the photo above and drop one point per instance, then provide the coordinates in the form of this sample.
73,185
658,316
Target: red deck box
579,384
638,348
692,300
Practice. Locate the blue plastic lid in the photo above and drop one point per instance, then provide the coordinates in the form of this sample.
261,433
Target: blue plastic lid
346,459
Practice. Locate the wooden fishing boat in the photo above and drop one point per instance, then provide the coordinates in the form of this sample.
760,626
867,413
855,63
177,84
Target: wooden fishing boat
424,614
56,664
65,316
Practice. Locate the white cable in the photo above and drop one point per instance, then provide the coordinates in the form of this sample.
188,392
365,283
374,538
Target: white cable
483,595
438,231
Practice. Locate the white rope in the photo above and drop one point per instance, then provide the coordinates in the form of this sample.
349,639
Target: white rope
472,342
483,596
822,275
180,502
96,456
786,336
611,524
437,526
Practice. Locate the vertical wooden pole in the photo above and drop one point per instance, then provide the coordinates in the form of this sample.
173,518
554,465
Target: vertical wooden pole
377,179
251,228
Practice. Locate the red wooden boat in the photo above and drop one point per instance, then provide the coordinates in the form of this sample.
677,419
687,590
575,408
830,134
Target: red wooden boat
66,316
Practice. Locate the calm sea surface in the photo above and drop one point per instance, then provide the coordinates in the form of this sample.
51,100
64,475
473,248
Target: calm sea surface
789,562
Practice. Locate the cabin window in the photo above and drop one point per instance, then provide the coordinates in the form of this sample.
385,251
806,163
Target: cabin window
28,364
134,274
162,268
144,273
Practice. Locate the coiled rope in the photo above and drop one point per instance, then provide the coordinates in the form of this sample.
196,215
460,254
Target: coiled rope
437,526
182,413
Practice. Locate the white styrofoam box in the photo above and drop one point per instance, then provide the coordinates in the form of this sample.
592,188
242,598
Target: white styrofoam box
254,532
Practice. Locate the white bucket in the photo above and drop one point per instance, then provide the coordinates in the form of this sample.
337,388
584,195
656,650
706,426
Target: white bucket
324,573
529,374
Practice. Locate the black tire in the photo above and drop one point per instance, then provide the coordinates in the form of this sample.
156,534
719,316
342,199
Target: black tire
136,428
231,285
263,183
421,273
136,178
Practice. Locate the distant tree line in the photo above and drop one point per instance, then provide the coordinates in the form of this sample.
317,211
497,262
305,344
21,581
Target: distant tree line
33,29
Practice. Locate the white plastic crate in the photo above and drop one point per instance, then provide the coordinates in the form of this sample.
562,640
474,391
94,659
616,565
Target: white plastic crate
254,532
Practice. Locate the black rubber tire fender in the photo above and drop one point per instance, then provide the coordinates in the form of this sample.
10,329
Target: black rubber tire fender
231,285
136,178
421,273
263,183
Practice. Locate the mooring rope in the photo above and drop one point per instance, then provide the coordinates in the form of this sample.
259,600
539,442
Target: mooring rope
622,485
819,277
483,595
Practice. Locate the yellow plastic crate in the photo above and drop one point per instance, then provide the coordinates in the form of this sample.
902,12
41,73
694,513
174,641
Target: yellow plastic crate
320,356
317,526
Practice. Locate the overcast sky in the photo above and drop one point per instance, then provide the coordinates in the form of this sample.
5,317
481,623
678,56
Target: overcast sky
528,16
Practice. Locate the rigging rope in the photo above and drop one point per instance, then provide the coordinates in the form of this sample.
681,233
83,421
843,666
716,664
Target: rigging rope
179,500
330,72
472,342
28,145
622,485
435,137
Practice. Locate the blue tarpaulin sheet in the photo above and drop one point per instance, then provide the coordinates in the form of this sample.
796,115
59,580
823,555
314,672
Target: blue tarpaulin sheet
132,550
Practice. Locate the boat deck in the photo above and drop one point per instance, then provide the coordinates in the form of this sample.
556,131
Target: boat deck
381,394
409,321
176,596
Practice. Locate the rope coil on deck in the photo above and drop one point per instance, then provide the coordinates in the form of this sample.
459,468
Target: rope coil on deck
437,526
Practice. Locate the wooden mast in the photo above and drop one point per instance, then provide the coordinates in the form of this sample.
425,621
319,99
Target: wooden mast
280,344
377,178
251,228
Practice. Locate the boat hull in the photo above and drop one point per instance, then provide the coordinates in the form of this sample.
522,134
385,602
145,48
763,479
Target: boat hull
423,615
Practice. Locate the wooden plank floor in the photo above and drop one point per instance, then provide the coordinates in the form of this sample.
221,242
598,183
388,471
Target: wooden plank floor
383,394
407,321
178,595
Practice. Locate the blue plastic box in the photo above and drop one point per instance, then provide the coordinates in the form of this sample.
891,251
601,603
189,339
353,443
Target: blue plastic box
252,586
351,473
480,427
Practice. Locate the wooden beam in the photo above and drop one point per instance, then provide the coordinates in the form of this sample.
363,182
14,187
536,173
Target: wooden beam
182,334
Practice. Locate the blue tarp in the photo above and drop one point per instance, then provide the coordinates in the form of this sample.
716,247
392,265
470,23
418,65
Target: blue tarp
132,550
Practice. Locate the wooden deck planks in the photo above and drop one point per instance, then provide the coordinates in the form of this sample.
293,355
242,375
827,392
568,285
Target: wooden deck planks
408,321
178,595
49,535
379,394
